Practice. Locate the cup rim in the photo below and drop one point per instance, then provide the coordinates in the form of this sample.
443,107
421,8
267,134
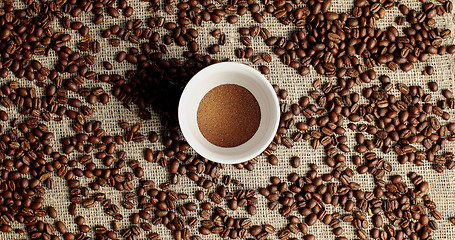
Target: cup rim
197,80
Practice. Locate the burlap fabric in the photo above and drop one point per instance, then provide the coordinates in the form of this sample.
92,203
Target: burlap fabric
442,185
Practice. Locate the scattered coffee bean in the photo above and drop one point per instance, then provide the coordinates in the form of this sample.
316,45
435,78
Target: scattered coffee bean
433,86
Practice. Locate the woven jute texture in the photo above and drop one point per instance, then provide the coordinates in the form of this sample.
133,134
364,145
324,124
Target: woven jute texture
442,186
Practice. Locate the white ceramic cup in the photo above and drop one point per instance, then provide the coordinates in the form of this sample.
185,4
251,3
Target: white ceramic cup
229,73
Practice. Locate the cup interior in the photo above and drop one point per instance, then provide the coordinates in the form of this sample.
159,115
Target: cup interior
229,73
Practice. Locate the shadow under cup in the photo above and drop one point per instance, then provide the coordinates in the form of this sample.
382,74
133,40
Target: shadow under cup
229,73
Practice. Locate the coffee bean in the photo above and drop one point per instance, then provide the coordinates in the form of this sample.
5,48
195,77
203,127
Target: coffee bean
128,12
113,12
273,159
149,155
193,46
153,137
104,98
429,70
258,17
75,103
377,221
244,31
248,52
204,231
107,65
255,230
445,92
240,53
264,70
3,115
199,195
311,219
452,220
52,212
215,48
433,86
233,19
60,226
80,220
312,237
246,41
255,31
295,162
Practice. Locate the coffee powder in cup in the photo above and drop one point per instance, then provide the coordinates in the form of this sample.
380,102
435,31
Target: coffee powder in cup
228,115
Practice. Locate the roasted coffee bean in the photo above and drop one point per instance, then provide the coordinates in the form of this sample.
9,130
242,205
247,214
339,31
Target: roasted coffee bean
433,86
244,31
342,45
264,70
429,70
273,159
3,115
215,48
233,19
52,212
60,226
447,93
295,162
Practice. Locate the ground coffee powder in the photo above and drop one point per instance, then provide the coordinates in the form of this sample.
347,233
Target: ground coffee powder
228,115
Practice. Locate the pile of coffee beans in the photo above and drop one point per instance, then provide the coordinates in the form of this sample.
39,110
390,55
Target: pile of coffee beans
410,211
387,117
